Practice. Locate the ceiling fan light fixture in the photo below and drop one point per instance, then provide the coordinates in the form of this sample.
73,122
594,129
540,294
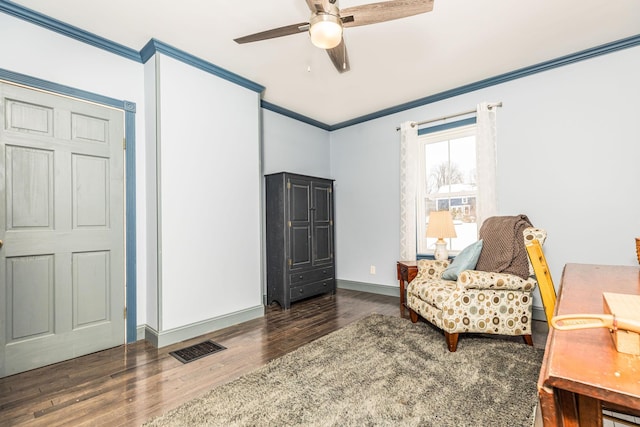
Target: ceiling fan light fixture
326,21
325,30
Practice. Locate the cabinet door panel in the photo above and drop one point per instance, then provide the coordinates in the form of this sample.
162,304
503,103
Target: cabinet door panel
322,228
322,203
300,248
299,223
300,200
322,243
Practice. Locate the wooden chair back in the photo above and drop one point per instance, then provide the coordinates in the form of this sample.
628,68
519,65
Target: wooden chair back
543,277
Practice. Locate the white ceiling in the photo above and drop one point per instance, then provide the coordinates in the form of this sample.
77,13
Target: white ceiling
458,43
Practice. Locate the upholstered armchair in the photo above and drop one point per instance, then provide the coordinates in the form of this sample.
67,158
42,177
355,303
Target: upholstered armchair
476,302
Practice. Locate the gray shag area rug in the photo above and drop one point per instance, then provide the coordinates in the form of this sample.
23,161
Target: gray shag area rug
380,370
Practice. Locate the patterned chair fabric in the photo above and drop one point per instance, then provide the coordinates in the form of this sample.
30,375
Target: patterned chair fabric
478,302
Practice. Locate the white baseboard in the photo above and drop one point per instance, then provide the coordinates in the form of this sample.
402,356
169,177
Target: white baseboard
172,336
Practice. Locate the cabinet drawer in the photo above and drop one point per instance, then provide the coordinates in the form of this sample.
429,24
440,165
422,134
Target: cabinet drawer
299,292
310,276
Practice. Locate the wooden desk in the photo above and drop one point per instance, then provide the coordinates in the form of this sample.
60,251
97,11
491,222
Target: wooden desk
582,369
407,271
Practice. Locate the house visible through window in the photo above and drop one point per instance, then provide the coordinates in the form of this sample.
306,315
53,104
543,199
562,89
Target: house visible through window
447,180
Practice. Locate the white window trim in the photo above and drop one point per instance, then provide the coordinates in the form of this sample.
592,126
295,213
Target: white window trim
423,141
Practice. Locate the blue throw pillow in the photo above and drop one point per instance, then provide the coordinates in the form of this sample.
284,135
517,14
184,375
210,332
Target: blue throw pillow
465,260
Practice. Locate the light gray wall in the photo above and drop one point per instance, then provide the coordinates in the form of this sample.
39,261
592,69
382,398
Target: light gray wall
293,146
365,164
568,153
209,207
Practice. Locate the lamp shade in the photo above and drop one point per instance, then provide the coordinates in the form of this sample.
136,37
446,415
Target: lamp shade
440,225
325,30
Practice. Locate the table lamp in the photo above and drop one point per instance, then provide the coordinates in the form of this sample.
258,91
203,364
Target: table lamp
440,226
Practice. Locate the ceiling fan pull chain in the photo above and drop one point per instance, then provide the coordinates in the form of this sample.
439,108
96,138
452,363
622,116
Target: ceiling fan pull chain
344,54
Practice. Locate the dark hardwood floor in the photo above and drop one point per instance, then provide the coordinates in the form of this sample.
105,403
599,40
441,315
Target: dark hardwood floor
127,385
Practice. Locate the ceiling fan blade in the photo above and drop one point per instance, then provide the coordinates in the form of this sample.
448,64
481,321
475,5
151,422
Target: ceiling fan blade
373,13
276,32
339,57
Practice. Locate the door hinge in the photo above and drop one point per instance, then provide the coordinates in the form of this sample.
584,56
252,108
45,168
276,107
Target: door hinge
124,143
289,262
331,222
124,313
330,190
289,224
288,185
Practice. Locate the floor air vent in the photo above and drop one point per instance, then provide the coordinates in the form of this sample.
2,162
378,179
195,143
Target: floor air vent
197,351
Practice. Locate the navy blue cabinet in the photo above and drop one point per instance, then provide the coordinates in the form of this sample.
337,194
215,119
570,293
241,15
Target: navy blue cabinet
300,237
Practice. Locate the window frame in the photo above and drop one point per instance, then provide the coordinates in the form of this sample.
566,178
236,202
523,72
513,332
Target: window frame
434,134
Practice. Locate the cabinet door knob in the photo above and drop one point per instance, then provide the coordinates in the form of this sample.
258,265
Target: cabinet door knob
301,277
301,291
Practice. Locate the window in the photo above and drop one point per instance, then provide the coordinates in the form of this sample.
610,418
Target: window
447,180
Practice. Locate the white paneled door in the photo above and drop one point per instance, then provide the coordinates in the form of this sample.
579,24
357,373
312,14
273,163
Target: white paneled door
62,228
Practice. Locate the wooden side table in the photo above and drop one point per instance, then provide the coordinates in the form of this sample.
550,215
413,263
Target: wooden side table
407,271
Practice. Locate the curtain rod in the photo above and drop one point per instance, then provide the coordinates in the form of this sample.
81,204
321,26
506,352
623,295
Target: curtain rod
464,113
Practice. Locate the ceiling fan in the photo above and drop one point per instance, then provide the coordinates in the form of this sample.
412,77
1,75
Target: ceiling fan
327,22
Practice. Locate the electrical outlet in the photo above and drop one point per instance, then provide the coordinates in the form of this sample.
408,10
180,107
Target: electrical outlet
372,269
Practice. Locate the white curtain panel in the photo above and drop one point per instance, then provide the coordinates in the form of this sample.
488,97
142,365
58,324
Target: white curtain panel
486,143
408,182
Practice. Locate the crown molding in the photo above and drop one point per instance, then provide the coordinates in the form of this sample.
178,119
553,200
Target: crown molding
60,27
141,56
156,46
276,109
502,78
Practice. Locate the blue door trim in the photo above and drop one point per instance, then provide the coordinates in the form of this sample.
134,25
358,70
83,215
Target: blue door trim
129,109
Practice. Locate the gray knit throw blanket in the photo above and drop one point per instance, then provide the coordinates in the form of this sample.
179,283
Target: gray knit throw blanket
503,248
